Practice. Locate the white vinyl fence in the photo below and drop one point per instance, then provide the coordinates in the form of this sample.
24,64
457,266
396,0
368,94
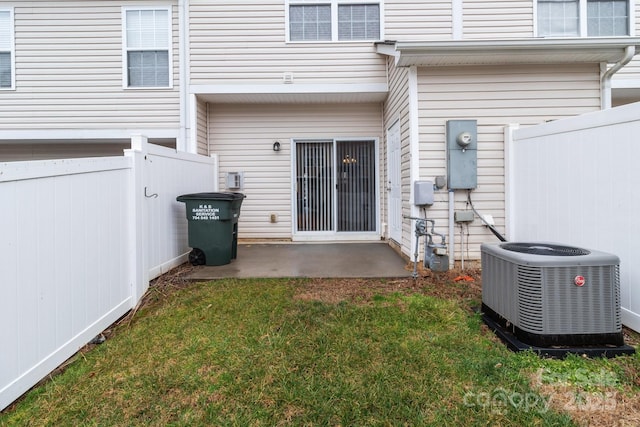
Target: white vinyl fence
79,241
575,181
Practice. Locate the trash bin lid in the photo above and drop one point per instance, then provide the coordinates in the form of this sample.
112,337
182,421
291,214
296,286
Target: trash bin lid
227,195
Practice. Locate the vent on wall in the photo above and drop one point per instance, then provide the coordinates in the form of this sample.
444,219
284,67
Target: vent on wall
553,295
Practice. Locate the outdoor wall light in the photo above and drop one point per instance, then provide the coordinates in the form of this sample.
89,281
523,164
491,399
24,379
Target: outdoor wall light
276,146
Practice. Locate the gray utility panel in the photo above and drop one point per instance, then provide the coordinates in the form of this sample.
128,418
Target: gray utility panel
462,154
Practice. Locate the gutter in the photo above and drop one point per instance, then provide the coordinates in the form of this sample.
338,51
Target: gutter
605,97
507,51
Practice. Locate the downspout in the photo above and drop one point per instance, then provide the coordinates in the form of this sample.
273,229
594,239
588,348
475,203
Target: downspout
414,139
629,53
183,144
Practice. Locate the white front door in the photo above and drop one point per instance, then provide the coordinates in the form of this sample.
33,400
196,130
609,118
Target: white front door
394,194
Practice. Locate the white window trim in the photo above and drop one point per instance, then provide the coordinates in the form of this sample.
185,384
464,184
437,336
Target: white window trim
582,18
125,77
12,48
334,19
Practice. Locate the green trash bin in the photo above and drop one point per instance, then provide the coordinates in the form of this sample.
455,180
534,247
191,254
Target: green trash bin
213,226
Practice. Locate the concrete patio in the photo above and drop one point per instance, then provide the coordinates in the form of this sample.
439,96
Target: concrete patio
325,260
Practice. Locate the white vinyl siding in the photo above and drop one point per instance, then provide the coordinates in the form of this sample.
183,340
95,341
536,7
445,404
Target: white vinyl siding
202,128
583,18
245,42
242,135
333,20
397,108
494,96
68,59
629,75
418,20
497,19
147,40
6,49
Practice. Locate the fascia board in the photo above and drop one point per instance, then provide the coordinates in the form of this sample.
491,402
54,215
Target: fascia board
509,51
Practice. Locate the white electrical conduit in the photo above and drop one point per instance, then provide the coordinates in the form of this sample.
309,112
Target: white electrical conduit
451,229
461,247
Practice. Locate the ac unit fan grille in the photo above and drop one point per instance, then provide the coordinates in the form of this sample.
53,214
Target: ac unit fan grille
570,309
530,299
544,249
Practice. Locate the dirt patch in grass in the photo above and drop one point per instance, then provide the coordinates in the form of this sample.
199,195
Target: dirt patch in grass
593,405
454,284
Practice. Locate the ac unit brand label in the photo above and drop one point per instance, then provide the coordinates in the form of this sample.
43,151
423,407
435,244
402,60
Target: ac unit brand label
579,281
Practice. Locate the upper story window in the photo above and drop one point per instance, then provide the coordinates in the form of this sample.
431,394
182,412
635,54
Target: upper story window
333,20
6,49
579,18
147,47
310,22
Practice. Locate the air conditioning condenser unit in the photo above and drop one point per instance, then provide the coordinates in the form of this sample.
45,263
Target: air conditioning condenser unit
553,298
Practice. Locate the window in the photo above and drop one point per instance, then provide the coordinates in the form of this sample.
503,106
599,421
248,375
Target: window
333,20
358,22
558,18
310,22
607,18
6,49
575,18
147,35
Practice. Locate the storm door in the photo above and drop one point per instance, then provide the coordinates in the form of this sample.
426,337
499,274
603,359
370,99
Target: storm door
314,185
336,186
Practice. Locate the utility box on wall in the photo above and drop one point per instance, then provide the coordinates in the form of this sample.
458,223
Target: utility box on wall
462,154
423,193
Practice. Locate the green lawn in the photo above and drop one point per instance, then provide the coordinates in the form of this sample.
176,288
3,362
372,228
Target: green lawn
250,353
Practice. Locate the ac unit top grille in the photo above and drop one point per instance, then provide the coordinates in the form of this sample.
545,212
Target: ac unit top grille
544,249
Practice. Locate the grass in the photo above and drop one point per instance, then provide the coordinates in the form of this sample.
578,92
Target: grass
249,353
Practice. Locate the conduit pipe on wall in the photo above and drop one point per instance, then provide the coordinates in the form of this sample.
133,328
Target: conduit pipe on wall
452,244
629,53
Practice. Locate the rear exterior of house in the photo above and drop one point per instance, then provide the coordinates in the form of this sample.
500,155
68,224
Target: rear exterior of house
65,90
323,113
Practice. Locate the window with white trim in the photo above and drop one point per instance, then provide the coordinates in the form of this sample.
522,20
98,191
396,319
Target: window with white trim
147,46
583,18
333,20
6,49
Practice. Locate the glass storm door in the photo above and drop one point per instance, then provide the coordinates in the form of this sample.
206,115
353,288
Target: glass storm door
314,185
335,186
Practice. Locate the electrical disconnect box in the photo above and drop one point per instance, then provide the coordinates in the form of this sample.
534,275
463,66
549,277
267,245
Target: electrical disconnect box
423,193
463,216
462,154
235,180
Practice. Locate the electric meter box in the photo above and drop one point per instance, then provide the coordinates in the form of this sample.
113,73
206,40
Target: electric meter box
423,193
462,154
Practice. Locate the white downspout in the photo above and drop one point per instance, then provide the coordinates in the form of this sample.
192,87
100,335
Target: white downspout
414,145
629,53
184,143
